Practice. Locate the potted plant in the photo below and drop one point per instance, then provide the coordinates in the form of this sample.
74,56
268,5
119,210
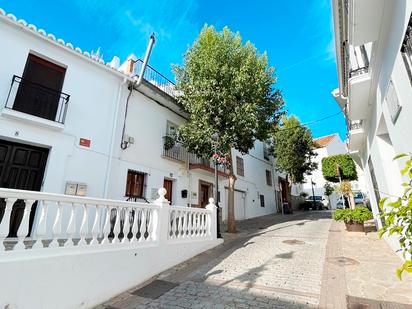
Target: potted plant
353,218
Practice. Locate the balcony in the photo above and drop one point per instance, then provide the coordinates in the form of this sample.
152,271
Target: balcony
206,164
177,152
34,99
364,20
359,82
356,135
157,79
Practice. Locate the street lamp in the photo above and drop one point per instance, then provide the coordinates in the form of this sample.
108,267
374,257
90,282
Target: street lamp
215,138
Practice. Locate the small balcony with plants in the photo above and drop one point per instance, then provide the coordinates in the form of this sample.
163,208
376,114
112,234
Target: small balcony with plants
173,150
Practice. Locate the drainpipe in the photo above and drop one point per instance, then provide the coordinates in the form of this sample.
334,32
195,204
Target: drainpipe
112,138
136,84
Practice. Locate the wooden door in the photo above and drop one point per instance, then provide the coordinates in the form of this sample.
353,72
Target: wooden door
168,185
204,195
285,188
39,91
21,167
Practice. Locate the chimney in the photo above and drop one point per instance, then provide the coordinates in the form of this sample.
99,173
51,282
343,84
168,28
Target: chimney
129,65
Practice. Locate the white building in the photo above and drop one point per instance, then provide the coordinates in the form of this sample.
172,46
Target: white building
329,145
373,52
65,118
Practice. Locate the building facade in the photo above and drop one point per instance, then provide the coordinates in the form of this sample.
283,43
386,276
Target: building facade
71,124
328,146
373,52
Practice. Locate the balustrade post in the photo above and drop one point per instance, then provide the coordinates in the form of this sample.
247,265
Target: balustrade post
41,226
212,219
57,227
84,226
24,225
96,226
5,222
162,222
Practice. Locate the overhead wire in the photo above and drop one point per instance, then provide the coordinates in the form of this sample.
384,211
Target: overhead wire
310,122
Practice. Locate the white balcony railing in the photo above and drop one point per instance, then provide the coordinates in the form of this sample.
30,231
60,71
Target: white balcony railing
68,222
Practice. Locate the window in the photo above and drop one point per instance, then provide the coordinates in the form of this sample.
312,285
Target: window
262,200
135,184
268,178
265,152
39,90
393,102
171,129
240,168
406,49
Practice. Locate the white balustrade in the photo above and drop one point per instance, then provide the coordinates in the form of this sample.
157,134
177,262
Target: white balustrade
189,223
64,221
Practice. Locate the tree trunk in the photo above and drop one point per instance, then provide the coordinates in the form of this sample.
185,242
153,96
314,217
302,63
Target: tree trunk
351,201
231,224
289,193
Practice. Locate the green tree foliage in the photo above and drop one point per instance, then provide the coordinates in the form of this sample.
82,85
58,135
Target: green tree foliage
346,165
329,189
226,86
398,217
294,150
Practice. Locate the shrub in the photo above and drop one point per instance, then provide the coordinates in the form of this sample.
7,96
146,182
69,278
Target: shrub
358,215
398,217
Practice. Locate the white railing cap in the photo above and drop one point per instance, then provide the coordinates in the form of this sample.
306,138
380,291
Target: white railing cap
54,197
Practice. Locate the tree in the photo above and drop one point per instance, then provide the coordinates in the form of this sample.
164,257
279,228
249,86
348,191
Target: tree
226,87
341,168
328,190
342,162
293,149
345,189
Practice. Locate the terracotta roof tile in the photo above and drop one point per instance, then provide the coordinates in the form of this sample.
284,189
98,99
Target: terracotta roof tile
324,140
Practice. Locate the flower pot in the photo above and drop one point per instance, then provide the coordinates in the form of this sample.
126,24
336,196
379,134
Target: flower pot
354,227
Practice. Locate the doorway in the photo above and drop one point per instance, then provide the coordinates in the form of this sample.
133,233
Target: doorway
205,191
40,89
168,185
21,167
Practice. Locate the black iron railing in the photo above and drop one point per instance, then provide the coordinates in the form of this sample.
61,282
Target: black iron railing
176,152
156,78
37,100
194,159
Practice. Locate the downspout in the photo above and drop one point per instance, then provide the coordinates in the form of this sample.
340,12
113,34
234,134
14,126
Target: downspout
112,138
115,122
135,85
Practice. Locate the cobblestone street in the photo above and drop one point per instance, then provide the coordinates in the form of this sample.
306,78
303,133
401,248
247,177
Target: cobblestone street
272,262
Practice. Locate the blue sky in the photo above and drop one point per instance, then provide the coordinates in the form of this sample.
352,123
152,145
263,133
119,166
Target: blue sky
297,36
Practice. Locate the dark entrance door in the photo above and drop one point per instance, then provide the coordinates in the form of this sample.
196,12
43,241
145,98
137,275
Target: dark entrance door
204,195
21,167
168,185
40,89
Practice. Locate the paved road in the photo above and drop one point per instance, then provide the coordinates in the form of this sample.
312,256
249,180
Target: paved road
269,263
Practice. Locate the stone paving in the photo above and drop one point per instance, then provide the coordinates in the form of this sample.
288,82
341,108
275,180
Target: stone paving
272,262
300,261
